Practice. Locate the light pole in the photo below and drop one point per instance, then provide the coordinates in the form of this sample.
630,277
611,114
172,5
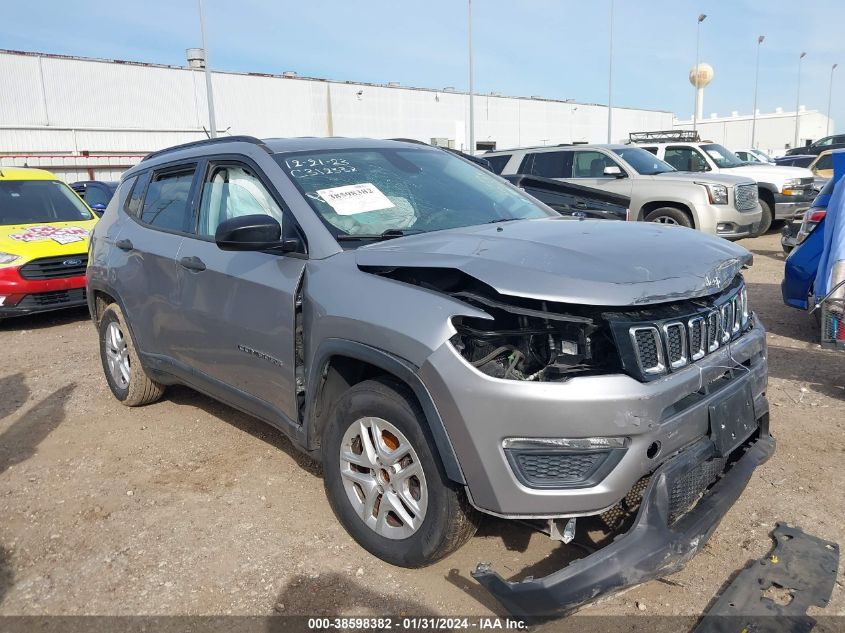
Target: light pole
830,97
754,112
701,18
212,123
610,79
471,85
798,98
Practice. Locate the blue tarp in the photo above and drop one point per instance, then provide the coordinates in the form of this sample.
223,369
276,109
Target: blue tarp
834,230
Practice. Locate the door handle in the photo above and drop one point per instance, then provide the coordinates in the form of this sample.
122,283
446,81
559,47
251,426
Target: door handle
581,204
192,263
124,244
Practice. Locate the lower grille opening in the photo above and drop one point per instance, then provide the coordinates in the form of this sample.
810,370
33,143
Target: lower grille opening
54,298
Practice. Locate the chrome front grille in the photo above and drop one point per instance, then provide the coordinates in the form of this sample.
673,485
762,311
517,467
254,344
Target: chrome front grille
746,197
674,343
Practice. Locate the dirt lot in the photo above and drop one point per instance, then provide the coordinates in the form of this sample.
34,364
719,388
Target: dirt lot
190,507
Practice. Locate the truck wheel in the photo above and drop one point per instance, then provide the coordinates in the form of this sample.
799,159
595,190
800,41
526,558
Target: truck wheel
126,377
766,220
385,482
669,215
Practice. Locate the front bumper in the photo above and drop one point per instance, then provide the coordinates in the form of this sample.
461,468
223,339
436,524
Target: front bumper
479,412
19,296
726,221
651,548
787,207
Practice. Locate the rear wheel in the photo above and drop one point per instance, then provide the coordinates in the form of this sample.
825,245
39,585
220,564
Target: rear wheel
385,482
126,377
669,215
766,220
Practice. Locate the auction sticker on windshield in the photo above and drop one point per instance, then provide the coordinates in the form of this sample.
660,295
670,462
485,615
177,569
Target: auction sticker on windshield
352,199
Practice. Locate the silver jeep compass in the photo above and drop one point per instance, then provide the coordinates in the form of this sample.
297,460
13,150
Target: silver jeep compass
446,345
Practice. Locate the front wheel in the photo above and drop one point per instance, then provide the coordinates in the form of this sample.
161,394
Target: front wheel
669,215
766,220
385,482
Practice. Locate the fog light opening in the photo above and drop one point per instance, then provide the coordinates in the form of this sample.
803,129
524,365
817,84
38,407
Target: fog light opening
653,450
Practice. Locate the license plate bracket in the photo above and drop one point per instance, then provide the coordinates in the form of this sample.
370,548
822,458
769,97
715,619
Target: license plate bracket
732,420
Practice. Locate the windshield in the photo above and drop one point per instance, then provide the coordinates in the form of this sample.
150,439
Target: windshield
642,161
722,156
762,156
368,192
32,201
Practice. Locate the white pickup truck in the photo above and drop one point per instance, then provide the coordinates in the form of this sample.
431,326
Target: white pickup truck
783,191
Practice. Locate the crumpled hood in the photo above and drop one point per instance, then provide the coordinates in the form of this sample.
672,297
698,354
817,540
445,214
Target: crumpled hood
587,262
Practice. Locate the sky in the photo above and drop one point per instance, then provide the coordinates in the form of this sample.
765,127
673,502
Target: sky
551,48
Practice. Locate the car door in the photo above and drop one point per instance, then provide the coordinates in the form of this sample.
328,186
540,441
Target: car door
240,305
160,207
588,168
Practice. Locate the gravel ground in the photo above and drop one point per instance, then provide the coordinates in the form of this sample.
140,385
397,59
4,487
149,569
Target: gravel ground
190,507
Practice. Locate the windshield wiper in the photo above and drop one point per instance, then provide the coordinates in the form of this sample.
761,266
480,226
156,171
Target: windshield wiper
497,220
389,234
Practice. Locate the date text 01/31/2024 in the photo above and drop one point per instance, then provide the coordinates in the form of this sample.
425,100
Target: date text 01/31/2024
416,623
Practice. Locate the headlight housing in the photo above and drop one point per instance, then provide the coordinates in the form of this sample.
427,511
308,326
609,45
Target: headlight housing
791,187
718,194
8,258
533,343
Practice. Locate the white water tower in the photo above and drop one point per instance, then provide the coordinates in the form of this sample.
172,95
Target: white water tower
699,77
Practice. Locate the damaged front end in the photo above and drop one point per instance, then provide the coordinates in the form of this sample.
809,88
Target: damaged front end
658,543
524,339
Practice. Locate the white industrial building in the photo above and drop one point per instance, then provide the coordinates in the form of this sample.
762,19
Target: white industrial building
92,118
774,133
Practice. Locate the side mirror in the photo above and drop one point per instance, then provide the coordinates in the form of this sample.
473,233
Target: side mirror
98,208
613,170
251,233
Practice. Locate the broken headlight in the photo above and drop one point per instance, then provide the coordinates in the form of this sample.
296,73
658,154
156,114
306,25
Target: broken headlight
528,344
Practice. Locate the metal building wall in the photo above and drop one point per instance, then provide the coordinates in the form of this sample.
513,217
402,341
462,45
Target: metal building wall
106,115
775,132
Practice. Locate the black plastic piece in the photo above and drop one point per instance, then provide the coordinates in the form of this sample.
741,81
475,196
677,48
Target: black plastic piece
774,593
649,549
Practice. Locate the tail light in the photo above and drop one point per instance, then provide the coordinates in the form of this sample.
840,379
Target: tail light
815,215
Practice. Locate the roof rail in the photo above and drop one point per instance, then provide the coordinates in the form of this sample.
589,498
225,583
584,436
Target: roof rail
665,136
411,140
210,141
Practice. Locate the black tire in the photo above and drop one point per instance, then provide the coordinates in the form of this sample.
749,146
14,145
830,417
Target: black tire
449,520
139,389
765,220
669,215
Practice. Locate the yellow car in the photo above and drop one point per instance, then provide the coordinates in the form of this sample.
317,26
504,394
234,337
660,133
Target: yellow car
44,229
822,166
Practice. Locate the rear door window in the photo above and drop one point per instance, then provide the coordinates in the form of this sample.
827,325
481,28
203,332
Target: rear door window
167,203
550,164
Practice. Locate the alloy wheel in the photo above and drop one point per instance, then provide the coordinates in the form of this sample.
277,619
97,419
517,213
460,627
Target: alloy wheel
383,478
117,355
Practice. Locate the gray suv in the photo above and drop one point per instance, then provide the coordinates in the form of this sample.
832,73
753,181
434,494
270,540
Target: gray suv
446,345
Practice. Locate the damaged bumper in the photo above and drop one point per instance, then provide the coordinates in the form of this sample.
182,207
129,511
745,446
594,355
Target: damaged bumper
652,547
